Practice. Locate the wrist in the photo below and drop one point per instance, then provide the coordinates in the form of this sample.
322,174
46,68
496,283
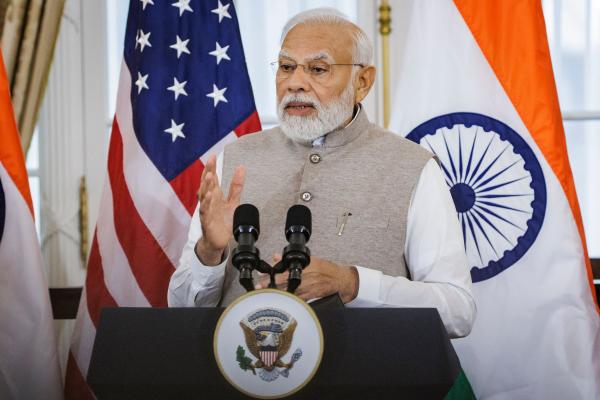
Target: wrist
208,256
351,287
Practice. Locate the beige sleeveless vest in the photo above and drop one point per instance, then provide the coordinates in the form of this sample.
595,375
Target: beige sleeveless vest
362,170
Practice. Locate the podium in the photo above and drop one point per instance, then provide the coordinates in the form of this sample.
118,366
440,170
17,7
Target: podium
146,353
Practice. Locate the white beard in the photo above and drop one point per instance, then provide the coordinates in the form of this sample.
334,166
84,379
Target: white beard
328,117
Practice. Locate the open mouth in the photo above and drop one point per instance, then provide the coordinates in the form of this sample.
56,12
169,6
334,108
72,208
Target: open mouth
299,107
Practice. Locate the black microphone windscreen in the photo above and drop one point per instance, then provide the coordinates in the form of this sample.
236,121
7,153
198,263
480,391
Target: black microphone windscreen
299,215
246,214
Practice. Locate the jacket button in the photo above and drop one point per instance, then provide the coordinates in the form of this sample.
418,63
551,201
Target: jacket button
315,158
306,196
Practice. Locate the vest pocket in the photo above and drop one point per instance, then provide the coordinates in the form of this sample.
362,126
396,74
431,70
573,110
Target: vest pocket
361,220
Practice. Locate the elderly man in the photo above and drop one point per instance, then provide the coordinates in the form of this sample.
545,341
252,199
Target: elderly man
385,231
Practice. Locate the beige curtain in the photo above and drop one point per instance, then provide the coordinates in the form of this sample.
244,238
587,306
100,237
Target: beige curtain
29,30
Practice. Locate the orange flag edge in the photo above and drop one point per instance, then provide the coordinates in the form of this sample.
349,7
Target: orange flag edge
11,152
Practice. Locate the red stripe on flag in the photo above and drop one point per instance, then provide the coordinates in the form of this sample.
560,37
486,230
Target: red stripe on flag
75,386
97,294
249,125
140,247
186,185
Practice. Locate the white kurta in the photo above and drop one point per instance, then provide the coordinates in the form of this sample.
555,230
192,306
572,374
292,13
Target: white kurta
434,253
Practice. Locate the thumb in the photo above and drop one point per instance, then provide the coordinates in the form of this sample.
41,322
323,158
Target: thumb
276,258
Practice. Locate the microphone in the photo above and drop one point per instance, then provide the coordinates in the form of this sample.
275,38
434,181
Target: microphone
296,256
246,257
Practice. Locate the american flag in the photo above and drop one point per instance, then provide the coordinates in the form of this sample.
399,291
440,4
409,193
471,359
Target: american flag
184,93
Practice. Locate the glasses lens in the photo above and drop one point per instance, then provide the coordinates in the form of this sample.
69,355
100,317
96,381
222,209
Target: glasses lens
318,70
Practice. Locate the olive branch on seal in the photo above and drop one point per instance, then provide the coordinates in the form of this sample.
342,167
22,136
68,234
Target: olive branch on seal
245,362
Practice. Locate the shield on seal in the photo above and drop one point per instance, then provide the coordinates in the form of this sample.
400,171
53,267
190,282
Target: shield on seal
268,355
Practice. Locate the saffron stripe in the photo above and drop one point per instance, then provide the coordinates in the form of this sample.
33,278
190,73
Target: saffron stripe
138,243
11,153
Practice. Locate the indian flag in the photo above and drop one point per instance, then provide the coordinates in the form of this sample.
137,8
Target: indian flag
475,86
28,359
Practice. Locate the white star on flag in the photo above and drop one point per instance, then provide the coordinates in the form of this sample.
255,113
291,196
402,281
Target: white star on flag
145,3
143,40
220,53
183,5
178,88
175,131
180,46
222,11
217,95
141,82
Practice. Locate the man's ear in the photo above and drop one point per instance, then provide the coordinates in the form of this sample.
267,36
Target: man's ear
363,82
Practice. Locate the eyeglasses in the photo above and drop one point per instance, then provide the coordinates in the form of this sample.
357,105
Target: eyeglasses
318,70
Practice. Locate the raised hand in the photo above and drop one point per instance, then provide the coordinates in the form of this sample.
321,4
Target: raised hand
216,212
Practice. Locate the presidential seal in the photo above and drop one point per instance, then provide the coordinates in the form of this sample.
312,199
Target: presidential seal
254,341
269,333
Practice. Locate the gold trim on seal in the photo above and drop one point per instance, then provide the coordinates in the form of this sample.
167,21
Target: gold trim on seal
299,301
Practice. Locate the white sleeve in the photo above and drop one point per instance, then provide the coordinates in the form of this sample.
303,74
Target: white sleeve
193,283
435,257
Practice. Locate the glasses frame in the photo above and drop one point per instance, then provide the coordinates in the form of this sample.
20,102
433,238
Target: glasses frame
275,67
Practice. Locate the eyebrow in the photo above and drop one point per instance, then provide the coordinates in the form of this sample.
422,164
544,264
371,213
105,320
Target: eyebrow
315,57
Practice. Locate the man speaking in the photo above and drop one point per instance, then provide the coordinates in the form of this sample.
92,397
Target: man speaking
385,230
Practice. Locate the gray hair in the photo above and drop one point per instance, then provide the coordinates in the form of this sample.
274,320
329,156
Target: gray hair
363,48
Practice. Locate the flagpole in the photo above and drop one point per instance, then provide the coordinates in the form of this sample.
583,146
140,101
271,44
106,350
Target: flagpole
83,221
385,27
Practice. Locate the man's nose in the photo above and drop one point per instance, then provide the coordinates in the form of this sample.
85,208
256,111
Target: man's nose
298,80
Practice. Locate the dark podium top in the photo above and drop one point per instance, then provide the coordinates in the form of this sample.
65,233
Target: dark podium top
369,353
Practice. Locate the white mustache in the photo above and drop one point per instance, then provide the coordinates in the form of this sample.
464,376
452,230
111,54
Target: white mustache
301,98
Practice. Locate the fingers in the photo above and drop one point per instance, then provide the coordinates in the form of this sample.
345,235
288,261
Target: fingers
264,279
237,185
207,173
210,182
314,289
210,165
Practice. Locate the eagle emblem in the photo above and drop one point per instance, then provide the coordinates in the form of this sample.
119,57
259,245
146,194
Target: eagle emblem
268,333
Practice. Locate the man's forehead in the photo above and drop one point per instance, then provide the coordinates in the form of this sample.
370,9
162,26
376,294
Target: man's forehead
319,55
308,41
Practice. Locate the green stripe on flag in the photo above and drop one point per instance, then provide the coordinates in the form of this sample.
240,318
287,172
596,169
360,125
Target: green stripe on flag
461,390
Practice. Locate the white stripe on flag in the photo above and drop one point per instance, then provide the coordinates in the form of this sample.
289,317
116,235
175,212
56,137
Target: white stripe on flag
118,277
83,337
158,205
